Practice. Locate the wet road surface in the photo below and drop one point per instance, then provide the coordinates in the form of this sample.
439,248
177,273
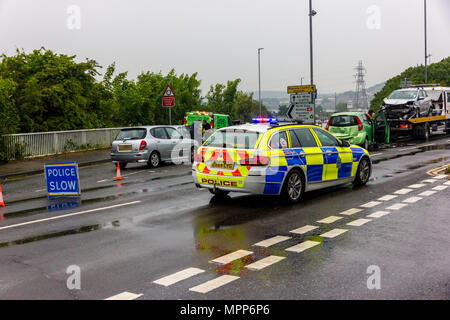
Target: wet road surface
154,223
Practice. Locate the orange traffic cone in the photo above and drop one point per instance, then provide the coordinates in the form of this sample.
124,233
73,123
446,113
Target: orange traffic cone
118,175
2,202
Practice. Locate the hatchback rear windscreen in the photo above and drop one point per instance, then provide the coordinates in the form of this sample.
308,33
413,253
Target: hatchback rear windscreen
343,121
131,134
238,139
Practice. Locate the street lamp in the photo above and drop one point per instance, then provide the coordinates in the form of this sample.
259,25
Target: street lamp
259,79
425,22
311,14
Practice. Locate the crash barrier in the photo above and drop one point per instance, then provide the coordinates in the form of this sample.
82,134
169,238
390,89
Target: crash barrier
27,145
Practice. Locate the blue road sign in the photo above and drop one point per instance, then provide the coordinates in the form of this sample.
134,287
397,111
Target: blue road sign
62,179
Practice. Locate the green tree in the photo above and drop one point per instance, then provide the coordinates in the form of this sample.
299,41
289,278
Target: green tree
282,110
341,107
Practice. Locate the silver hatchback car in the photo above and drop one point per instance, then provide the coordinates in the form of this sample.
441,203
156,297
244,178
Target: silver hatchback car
151,145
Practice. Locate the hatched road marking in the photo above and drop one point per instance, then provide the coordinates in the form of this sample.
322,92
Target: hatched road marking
213,284
303,229
412,199
447,183
429,180
351,211
378,214
387,197
439,188
263,263
397,206
303,246
231,257
358,222
416,186
370,204
178,276
271,241
125,296
333,233
403,191
441,176
330,219
427,193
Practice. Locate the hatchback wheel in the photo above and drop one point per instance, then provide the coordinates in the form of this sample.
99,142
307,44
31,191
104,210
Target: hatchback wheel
294,187
363,172
366,144
154,160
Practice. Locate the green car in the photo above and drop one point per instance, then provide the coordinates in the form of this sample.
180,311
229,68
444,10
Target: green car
357,128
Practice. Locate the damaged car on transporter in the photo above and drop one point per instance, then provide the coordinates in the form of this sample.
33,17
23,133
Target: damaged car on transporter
407,103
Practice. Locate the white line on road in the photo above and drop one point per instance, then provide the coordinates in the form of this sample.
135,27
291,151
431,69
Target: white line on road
69,215
263,263
403,191
333,233
439,188
417,185
376,154
303,246
441,176
429,180
231,257
271,241
412,199
303,229
125,296
447,183
358,222
378,214
330,219
130,174
40,190
427,193
387,197
178,276
417,147
397,206
351,211
104,180
213,284
370,204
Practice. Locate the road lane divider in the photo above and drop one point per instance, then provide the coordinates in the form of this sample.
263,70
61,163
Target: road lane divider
358,222
387,197
178,276
351,211
330,219
416,186
213,284
231,257
370,204
397,206
271,241
69,215
439,188
412,199
333,233
263,263
403,191
429,181
304,229
303,246
125,296
378,214
427,193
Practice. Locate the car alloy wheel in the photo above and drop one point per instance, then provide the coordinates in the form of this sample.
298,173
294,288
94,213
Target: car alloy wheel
364,171
154,159
294,186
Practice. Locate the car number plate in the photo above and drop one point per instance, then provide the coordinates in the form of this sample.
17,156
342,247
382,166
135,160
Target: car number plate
222,165
124,147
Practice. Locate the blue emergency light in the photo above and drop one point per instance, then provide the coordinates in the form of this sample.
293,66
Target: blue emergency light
270,120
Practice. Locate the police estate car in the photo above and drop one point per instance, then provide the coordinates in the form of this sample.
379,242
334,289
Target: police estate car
272,159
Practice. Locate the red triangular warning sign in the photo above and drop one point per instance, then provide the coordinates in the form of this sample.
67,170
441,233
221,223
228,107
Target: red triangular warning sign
168,92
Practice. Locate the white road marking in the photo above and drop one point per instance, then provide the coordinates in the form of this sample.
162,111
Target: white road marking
330,219
397,206
231,257
439,188
441,176
403,191
129,174
370,204
427,193
378,214
271,241
103,180
358,222
263,263
417,185
429,180
387,197
447,183
351,211
40,190
151,171
303,246
69,215
125,296
213,284
333,233
303,229
417,147
178,276
412,199
375,154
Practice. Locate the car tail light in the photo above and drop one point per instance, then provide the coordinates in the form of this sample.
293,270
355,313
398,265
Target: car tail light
143,145
199,157
360,125
184,122
212,124
328,124
405,126
255,161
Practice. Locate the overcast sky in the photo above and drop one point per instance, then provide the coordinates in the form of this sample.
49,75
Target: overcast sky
219,38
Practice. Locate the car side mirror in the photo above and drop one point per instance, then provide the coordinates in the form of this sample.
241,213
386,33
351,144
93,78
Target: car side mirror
345,143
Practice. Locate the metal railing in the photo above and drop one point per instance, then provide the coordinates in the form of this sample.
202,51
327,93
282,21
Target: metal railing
47,143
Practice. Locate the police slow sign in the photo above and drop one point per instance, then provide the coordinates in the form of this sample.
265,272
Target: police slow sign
62,179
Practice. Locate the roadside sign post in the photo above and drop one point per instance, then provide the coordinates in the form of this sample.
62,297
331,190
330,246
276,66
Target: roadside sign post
168,100
62,179
302,103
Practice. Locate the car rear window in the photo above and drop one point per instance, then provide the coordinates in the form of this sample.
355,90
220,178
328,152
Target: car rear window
237,138
131,134
343,121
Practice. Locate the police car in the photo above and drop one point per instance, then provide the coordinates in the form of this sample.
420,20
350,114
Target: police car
271,159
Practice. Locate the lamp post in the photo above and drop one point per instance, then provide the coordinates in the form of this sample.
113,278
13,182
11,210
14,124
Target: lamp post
259,78
426,54
311,14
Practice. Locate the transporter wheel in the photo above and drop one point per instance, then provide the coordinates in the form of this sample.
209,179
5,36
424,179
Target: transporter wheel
363,172
427,129
293,187
154,160
219,193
